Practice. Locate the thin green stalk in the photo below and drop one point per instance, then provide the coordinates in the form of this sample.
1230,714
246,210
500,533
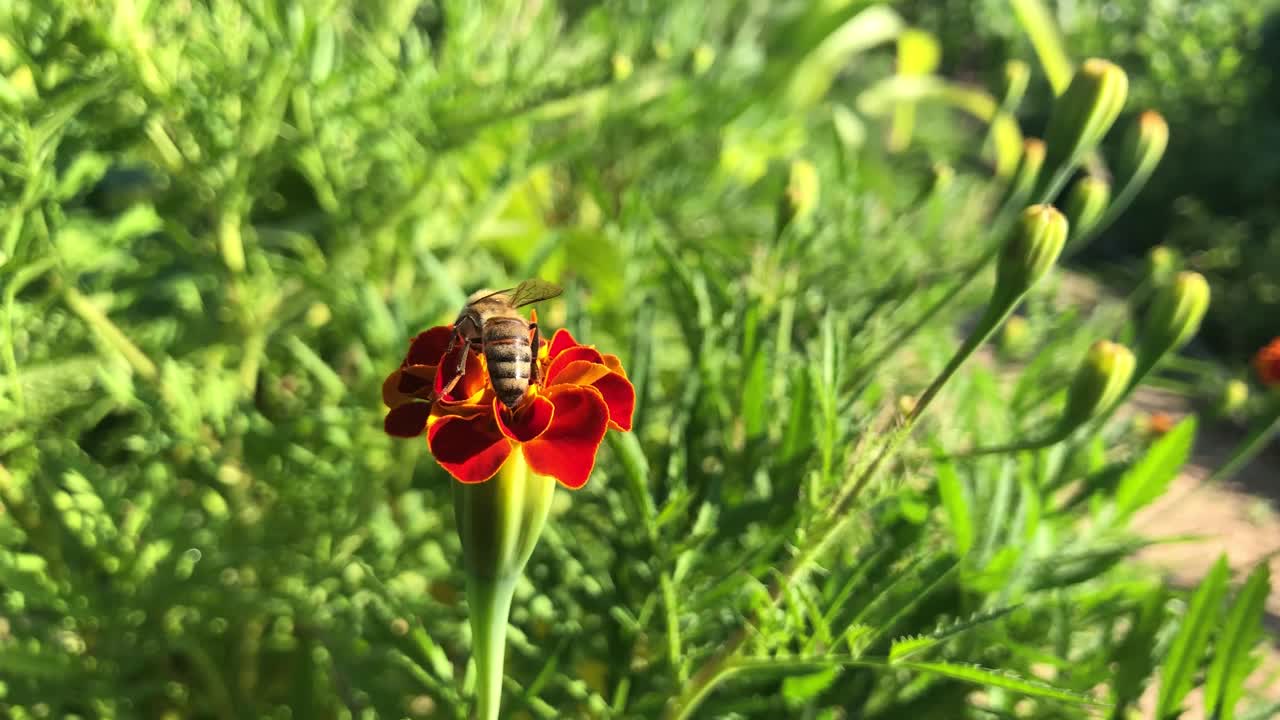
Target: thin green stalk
1039,443
490,606
110,332
722,665
636,468
1252,445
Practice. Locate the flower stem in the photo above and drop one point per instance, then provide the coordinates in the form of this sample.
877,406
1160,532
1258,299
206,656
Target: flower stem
499,523
1252,445
490,604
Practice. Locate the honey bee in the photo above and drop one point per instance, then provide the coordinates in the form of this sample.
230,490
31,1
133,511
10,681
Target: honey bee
489,321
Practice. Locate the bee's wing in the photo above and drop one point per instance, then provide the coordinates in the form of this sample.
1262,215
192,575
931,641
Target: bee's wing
532,291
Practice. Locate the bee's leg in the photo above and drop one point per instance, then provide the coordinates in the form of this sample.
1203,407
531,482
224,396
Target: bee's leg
535,377
462,361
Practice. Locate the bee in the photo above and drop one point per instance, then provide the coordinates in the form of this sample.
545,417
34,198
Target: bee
489,321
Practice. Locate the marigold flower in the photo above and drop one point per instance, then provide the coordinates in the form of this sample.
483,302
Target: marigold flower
558,427
1267,363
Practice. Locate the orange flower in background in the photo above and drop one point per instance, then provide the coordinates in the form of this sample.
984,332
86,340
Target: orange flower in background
1267,363
558,426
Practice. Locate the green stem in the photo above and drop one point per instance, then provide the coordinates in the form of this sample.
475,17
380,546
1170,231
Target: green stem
1039,443
499,523
1251,446
489,603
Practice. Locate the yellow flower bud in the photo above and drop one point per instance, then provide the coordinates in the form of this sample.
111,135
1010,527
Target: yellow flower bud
1017,75
1100,381
1235,395
1174,316
1143,147
1086,203
1015,336
703,57
800,198
1028,172
622,66
1031,250
1161,263
1082,115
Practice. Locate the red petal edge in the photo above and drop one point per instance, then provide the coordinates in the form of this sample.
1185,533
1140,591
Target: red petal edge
560,342
470,449
567,449
529,421
408,420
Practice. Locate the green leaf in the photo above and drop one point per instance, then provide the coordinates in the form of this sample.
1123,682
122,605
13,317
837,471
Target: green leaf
1184,657
813,76
1231,657
1135,655
904,647
955,501
1000,679
1150,477
1038,23
799,689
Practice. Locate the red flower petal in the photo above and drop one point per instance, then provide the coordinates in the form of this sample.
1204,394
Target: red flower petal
574,354
1267,363
408,420
428,346
470,449
472,380
616,389
529,421
620,395
567,449
560,342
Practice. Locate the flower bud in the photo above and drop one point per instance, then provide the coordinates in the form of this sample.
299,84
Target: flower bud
1024,179
1235,395
1161,263
1143,147
1174,316
1017,75
500,520
1086,203
943,177
801,195
1015,336
1099,383
1029,253
703,57
622,66
1084,113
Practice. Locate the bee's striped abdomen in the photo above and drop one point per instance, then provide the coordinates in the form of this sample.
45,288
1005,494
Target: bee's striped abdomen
509,355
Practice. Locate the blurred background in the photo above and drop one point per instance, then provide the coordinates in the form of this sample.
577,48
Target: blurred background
223,220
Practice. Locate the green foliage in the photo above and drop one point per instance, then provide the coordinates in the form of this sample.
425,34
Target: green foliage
225,219
1210,68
